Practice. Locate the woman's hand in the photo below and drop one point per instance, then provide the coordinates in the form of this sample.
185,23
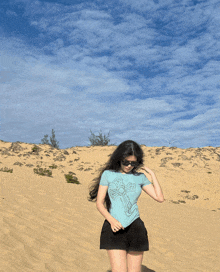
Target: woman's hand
154,190
116,225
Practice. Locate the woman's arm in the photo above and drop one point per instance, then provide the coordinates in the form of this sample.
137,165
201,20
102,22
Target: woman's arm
153,190
115,224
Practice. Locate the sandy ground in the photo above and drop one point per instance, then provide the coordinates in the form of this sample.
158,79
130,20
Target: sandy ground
49,225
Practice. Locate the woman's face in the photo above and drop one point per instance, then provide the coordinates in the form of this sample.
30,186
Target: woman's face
126,169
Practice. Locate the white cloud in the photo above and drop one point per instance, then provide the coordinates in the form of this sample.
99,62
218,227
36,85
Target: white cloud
11,13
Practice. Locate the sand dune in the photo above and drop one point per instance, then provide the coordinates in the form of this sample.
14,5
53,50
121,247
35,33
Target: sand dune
48,224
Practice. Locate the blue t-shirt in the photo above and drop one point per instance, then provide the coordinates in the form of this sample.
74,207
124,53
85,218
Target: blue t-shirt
124,191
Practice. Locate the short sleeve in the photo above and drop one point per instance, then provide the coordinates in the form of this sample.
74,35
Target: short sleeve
104,179
145,181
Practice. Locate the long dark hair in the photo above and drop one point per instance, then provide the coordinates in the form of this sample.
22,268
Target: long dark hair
125,149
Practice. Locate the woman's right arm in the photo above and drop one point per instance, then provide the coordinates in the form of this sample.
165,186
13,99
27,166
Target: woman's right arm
115,224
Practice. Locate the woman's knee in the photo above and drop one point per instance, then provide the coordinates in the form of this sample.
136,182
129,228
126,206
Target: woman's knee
118,260
134,261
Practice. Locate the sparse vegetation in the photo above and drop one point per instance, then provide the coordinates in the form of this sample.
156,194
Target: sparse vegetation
71,179
42,171
6,169
29,165
53,142
16,147
178,201
175,202
61,157
35,149
192,197
53,166
185,191
18,163
45,140
100,139
176,164
88,169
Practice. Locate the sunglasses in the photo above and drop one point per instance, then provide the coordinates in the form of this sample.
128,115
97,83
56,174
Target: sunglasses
132,163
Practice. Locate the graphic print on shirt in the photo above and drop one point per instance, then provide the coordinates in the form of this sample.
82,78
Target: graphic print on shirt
119,189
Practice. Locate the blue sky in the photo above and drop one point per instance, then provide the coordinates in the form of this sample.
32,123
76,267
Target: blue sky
143,70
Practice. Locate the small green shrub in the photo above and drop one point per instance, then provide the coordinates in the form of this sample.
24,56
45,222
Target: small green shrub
71,179
192,197
88,169
6,169
185,191
42,171
29,165
175,202
18,163
53,166
35,149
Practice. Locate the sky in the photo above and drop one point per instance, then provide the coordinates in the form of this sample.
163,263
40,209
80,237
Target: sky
143,70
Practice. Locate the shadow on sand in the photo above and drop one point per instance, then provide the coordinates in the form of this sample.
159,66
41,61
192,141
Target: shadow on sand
143,269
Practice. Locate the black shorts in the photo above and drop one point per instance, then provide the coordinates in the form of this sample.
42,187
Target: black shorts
132,238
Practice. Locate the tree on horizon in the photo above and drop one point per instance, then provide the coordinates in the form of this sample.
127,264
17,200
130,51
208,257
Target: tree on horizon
53,142
99,139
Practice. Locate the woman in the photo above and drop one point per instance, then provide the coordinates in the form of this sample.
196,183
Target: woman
116,192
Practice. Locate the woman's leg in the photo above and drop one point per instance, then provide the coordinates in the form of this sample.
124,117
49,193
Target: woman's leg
118,260
134,261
